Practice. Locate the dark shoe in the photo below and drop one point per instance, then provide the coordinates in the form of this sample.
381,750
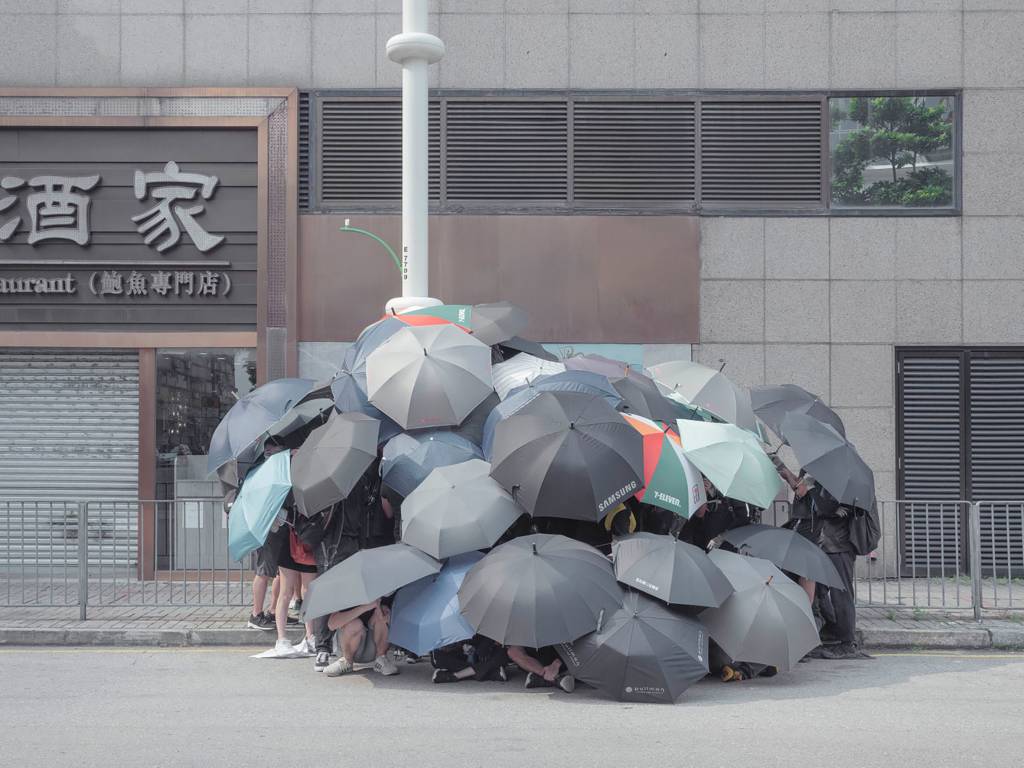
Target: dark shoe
536,681
323,658
814,653
769,672
444,676
273,620
260,621
841,651
566,682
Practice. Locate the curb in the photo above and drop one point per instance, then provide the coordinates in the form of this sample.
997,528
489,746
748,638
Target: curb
144,638
967,639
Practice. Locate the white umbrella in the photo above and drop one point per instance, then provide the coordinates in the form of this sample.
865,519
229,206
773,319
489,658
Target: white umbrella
520,371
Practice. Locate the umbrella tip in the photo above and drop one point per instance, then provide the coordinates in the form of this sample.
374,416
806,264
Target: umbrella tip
769,582
572,425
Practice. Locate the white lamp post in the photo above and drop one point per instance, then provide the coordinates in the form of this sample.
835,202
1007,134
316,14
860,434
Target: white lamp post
415,49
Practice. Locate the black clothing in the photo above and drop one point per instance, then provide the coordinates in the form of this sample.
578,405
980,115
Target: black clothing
486,657
722,515
843,618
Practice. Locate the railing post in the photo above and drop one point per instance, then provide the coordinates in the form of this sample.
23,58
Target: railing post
974,556
83,559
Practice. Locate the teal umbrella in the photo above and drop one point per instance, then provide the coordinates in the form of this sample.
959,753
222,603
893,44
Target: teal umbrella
732,459
258,503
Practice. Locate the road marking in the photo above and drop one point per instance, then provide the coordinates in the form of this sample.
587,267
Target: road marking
951,654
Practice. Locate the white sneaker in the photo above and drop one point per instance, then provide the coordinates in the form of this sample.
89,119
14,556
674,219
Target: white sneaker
307,646
283,645
385,665
340,667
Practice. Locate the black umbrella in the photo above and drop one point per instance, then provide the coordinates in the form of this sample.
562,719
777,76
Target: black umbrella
328,465
498,322
568,455
772,403
640,395
539,590
788,550
640,652
517,344
472,428
831,459
670,570
364,577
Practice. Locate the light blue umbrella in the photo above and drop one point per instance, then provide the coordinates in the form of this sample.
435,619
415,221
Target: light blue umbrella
408,458
426,613
258,503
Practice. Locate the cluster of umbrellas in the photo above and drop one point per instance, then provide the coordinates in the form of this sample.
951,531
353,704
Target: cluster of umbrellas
476,427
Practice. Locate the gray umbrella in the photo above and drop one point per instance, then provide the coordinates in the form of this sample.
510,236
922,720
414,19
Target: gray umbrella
670,570
705,387
325,469
640,652
498,322
408,459
788,550
831,459
568,455
250,419
429,376
472,427
767,619
772,403
457,509
539,590
364,577
517,344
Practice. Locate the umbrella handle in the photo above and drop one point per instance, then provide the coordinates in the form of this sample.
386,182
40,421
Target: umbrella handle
600,621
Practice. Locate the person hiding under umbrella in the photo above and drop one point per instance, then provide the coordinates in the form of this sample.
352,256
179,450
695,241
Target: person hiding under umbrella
363,639
479,659
720,514
543,668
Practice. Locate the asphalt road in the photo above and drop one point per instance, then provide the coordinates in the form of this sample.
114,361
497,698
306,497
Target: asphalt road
183,707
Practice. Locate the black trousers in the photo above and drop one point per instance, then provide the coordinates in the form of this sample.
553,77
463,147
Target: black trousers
843,619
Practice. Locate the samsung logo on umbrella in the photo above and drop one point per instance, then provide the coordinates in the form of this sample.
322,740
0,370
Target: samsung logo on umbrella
623,493
668,499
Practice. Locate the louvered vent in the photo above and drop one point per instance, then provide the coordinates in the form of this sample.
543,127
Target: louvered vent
361,151
761,153
513,150
932,534
996,426
303,151
634,151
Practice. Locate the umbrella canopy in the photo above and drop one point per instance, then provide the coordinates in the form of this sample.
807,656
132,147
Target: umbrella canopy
605,366
640,652
640,396
490,323
539,590
831,459
670,480
510,405
250,419
517,344
732,459
710,389
349,386
767,619
584,382
257,504
568,455
429,376
472,427
771,404
520,371
457,509
408,459
365,576
670,570
325,469
425,615
788,550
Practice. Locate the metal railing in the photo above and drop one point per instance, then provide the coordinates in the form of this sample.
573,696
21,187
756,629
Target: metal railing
933,555
132,554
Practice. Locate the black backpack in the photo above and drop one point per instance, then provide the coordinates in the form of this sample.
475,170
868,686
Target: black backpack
865,529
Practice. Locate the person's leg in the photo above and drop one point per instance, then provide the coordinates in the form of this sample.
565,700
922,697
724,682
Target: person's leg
379,625
351,637
843,600
275,590
808,587
259,593
305,579
289,579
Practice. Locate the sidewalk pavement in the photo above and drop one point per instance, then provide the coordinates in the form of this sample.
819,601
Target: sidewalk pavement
225,626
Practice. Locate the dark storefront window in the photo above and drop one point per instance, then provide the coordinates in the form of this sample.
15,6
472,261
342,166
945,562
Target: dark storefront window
893,152
195,388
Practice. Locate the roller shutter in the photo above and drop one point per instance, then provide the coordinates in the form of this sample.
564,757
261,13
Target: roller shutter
70,427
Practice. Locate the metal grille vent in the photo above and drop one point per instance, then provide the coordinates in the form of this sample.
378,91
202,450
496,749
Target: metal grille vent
361,151
507,150
634,151
761,152
303,151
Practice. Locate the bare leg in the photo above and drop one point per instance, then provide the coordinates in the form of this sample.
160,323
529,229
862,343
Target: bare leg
525,661
259,594
304,583
809,587
275,591
351,638
290,579
379,625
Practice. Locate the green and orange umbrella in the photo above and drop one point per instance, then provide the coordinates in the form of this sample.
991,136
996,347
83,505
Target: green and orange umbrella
489,323
670,480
